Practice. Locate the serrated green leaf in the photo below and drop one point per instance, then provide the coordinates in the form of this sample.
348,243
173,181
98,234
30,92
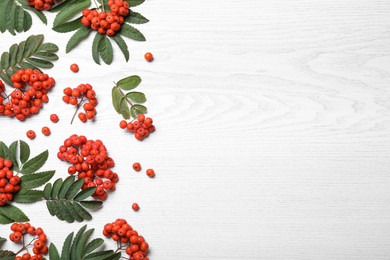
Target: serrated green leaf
139,109
105,50
13,51
133,3
62,5
100,255
7,255
51,47
82,243
19,19
91,204
10,14
3,10
130,82
4,151
24,151
5,220
5,60
56,188
19,56
27,21
28,196
6,78
81,211
14,213
13,155
40,63
46,56
74,189
95,47
35,163
77,37
138,97
65,187
136,18
32,44
67,13
69,26
40,14
2,241
131,33
53,252
47,191
66,213
117,97
65,255
31,181
76,240
124,109
70,207
82,195
93,245
122,46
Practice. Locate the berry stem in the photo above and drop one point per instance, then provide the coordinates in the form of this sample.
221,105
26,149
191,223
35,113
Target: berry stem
77,109
97,6
25,246
103,6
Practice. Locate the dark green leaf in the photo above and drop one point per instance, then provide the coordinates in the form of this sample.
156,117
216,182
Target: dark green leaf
76,240
53,252
5,220
40,14
136,18
65,212
82,212
105,50
13,51
136,96
28,196
46,56
31,181
133,3
95,47
74,189
11,17
51,47
7,255
82,195
32,44
77,37
139,109
13,213
47,191
65,187
65,255
82,243
13,155
69,26
93,245
4,151
19,56
35,163
27,21
3,9
2,241
24,151
70,206
124,109
100,255
129,82
117,97
131,33
19,19
122,46
67,13
40,63
5,60
91,204
56,188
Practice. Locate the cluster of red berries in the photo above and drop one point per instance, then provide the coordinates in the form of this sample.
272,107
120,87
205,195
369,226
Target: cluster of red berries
136,246
41,5
108,23
84,96
39,246
9,184
141,127
31,91
90,161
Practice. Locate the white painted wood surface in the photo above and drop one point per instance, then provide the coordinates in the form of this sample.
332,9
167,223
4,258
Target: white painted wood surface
272,137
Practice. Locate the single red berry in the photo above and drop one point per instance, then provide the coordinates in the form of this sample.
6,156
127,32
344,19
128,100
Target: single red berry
149,56
74,67
31,134
135,207
123,124
150,173
46,130
137,166
54,118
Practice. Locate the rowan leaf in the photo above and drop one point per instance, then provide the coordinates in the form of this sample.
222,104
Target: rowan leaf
35,163
129,83
31,181
122,46
77,37
138,97
131,33
105,50
136,18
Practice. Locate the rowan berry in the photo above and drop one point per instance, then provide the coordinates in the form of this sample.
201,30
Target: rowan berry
137,166
150,173
54,118
46,131
149,57
31,134
135,207
141,127
74,67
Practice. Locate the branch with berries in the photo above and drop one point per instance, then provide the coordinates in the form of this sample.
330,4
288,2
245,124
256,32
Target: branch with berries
110,20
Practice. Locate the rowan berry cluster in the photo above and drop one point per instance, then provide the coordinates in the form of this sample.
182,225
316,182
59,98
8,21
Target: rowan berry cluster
135,245
84,96
31,91
41,5
38,242
9,184
108,23
90,161
141,127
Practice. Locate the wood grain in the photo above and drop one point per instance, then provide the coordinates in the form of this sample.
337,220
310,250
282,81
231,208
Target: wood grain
272,137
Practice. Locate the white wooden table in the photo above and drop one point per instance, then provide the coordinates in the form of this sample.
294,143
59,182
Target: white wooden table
272,139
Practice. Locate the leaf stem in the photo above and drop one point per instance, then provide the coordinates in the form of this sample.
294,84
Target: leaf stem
77,109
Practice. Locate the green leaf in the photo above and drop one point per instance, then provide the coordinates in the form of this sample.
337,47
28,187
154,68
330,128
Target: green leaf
28,196
66,213
5,220
5,60
116,99
13,213
13,51
122,46
11,17
47,191
2,241
100,255
77,37
27,21
91,204
70,206
32,44
82,212
19,19
31,181
40,63
4,151
136,96
19,56
7,255
93,245
129,82
40,14
139,109
95,47
3,9
131,33
136,18
53,252
124,109
74,189
65,255
46,56
65,187
80,246
105,50
69,26
67,13
56,188
133,3
75,242
13,155
24,151
51,47
85,193
35,163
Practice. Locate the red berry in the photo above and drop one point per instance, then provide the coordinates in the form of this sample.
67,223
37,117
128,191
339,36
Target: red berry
74,67
46,131
149,56
150,173
54,118
137,166
135,207
31,134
